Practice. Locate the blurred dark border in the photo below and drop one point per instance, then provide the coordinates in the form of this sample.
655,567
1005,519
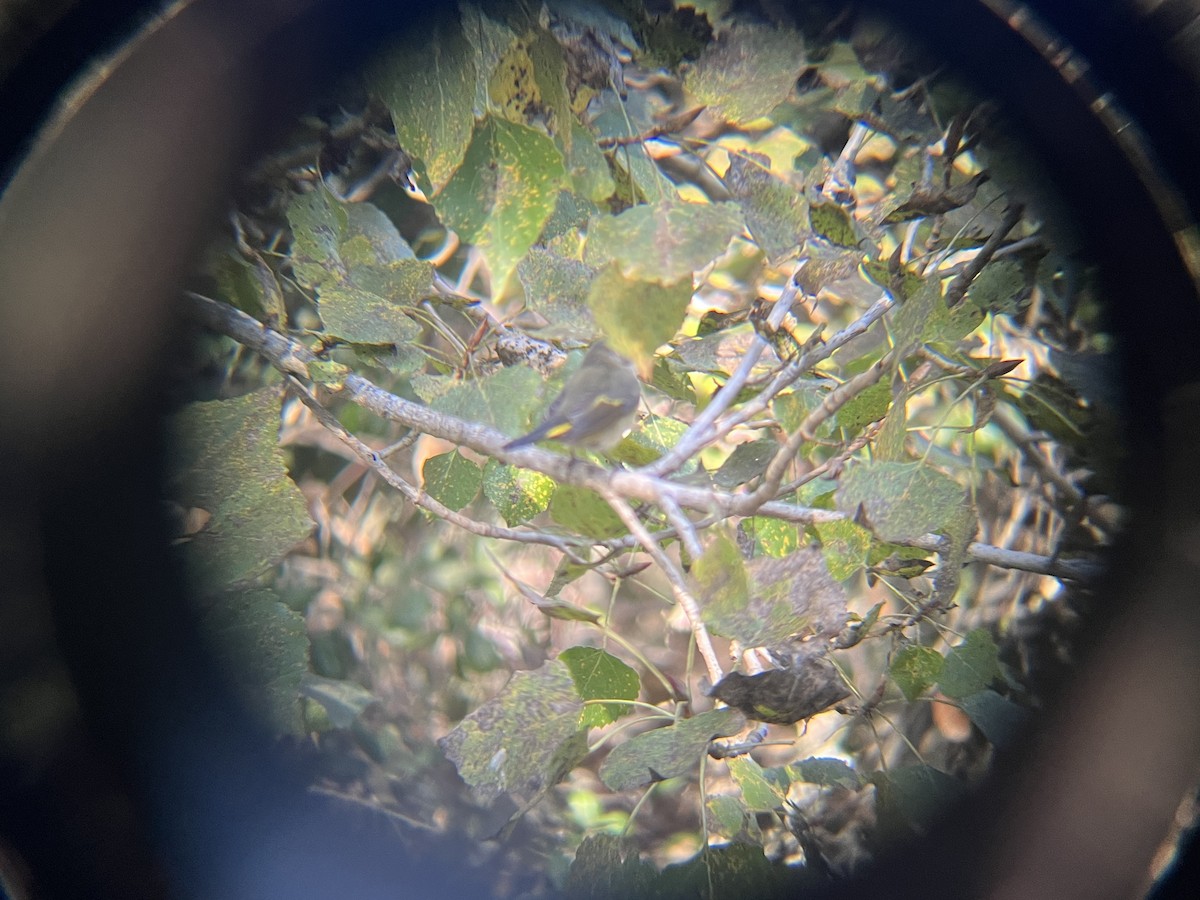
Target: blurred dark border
160,786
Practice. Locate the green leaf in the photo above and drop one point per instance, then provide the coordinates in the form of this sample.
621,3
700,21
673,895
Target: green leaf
517,741
912,796
910,320
318,225
664,242
264,647
747,71
769,600
638,316
869,406
832,222
228,463
556,288
451,479
363,272
518,494
586,166
774,210
999,719
608,866
428,80
667,752
585,512
653,437
971,666
343,701
503,194
825,771
915,668
729,817
362,317
999,287
902,501
758,793
601,676
746,462
771,537
844,546
506,400
735,870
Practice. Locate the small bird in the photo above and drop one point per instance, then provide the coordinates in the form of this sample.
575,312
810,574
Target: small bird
596,407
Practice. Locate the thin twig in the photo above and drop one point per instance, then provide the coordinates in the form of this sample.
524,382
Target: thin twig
679,585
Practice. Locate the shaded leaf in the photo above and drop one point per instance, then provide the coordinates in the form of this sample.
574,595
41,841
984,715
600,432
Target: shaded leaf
825,771
264,647
915,669
428,82
514,742
608,866
912,796
667,752
902,501
998,718
746,462
971,666
344,701
229,464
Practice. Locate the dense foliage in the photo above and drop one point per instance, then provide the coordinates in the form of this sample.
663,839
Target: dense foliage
798,605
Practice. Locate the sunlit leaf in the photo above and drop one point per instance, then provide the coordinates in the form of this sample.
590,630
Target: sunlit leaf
518,494
637,316
601,676
503,193
758,793
451,479
770,599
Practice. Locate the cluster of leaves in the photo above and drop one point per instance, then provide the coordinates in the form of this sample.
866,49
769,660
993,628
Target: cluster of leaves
536,139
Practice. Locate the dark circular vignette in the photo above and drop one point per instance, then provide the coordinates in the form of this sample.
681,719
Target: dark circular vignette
164,788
